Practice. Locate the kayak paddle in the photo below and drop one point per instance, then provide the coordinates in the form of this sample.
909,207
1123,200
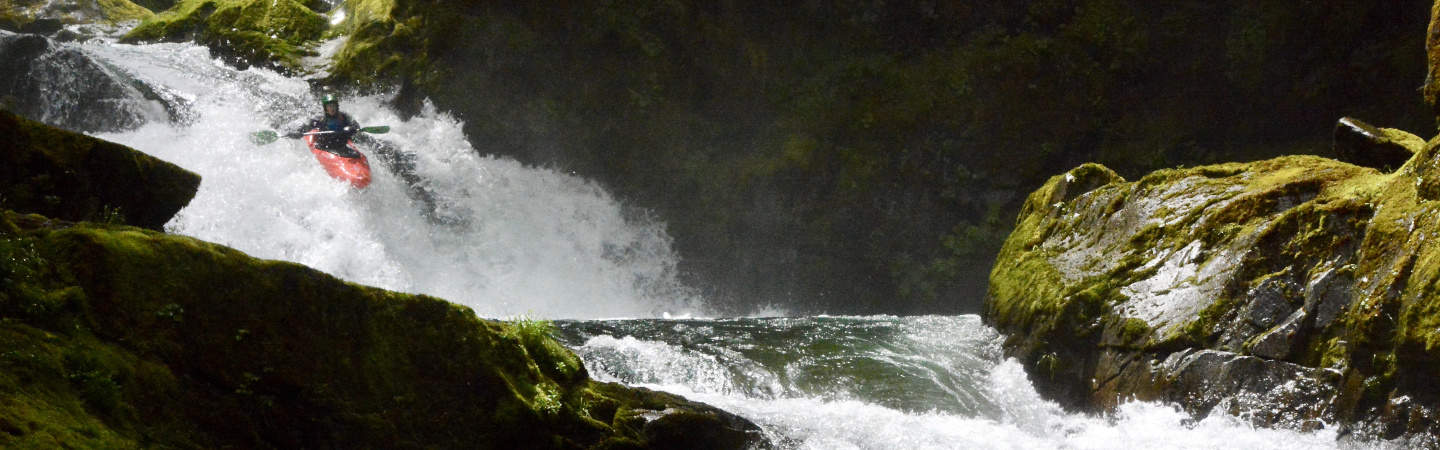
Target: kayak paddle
263,137
267,136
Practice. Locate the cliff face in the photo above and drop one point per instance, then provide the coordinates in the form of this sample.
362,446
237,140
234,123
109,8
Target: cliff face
113,336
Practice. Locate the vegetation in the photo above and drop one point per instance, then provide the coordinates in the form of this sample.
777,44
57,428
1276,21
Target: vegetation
117,337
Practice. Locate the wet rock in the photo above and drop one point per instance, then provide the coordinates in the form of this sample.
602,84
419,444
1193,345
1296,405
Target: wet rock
41,26
1278,342
1328,295
1298,284
48,16
71,176
669,421
244,33
62,86
1206,379
1269,304
1362,144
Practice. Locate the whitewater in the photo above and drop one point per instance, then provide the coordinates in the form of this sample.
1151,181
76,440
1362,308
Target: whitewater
510,240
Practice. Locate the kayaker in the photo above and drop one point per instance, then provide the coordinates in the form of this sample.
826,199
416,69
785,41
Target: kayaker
339,125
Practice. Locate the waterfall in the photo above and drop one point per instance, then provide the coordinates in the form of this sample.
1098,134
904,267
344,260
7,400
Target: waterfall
500,237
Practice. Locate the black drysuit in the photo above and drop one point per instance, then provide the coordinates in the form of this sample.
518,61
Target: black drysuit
340,126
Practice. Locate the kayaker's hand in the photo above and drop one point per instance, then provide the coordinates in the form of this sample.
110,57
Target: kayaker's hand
294,135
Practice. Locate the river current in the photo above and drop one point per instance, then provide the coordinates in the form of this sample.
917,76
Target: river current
510,240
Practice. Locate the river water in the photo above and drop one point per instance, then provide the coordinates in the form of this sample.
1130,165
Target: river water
510,240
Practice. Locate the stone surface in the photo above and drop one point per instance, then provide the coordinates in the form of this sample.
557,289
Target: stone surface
244,33
46,16
1297,284
71,176
1362,144
62,86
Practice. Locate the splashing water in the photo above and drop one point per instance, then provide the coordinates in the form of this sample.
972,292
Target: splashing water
891,383
500,237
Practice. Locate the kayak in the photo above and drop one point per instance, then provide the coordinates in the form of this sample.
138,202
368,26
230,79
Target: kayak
351,167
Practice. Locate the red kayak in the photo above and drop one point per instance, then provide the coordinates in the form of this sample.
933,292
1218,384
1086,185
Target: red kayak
351,167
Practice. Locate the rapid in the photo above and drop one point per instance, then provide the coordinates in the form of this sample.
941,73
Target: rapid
510,240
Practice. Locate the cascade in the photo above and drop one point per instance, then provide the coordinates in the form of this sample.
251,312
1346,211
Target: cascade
503,238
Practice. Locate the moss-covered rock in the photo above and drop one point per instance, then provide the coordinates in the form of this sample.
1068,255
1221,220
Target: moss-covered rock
75,177
119,337
1298,281
269,33
19,15
113,336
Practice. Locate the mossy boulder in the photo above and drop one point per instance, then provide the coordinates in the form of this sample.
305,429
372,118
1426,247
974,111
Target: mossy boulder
119,337
1295,291
267,33
71,176
40,15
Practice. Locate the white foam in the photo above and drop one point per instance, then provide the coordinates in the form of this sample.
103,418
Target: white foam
516,240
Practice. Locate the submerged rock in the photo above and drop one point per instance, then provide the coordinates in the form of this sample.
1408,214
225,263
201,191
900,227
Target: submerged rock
74,177
1294,291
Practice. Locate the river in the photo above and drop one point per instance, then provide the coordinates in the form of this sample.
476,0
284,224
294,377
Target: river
510,240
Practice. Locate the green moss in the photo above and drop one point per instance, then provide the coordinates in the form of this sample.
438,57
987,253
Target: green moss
123,10
255,32
1335,353
68,175
553,359
1050,365
117,337
1293,220
1134,330
15,15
